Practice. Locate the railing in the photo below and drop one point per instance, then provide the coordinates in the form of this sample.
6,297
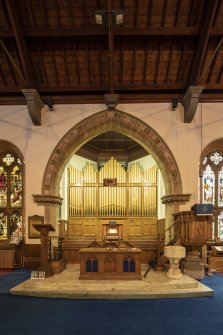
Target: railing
55,248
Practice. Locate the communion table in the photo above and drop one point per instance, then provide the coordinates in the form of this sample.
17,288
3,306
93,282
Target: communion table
110,263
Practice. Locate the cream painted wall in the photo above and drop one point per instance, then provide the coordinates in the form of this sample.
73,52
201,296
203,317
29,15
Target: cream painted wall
37,142
183,139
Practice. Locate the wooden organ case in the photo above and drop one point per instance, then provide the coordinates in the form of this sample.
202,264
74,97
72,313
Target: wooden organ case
130,201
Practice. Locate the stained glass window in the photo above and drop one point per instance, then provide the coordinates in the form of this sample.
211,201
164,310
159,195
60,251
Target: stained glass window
220,187
212,188
208,185
11,198
3,225
16,187
3,187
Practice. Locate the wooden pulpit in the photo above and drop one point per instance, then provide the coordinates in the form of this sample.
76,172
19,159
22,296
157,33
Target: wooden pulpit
44,230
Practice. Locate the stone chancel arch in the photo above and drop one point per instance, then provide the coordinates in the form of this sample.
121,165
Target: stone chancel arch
93,126
102,122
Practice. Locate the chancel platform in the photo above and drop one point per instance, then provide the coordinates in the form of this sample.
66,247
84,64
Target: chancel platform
155,285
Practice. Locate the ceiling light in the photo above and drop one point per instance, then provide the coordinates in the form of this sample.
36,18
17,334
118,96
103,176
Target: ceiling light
101,17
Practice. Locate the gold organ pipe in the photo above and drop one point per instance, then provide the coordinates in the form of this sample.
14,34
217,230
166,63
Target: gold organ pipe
111,196
88,195
89,198
75,199
108,201
138,173
136,190
122,209
91,204
81,200
70,200
137,197
70,174
119,195
115,201
123,201
87,169
74,207
102,200
98,199
77,194
109,169
105,200
101,174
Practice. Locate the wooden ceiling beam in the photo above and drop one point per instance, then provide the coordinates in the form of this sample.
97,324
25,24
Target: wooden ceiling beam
119,31
208,19
192,95
20,42
33,100
34,105
148,87
132,97
98,31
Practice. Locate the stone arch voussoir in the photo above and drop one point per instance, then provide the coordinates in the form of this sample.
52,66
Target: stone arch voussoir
102,122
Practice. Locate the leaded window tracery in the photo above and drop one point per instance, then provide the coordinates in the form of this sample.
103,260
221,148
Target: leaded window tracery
11,198
212,188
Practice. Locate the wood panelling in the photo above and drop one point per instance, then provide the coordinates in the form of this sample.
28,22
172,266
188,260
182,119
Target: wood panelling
89,227
27,255
7,258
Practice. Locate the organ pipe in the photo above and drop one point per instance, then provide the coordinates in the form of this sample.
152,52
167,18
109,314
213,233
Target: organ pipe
134,194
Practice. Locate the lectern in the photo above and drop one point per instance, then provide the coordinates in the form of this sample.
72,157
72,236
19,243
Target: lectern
44,230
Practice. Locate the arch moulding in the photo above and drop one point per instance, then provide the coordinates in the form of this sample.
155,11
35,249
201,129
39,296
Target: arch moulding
102,122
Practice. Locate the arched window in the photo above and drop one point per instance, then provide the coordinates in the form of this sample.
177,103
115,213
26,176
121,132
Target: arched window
11,198
212,187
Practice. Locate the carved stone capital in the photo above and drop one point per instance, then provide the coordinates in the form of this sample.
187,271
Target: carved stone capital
175,199
47,200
